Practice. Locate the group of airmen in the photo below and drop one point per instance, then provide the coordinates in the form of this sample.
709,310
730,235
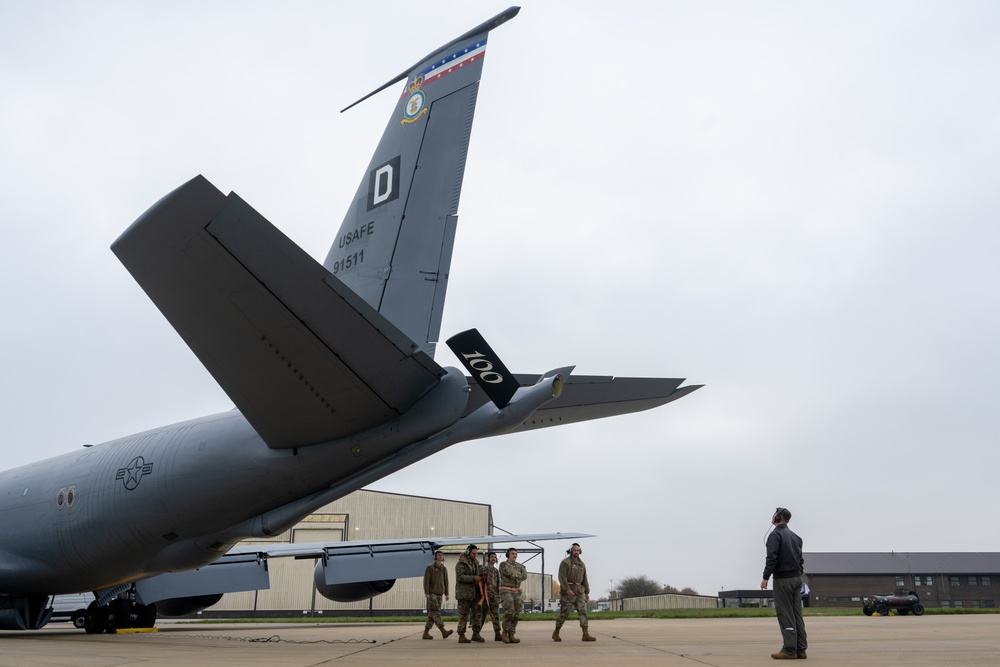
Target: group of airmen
481,590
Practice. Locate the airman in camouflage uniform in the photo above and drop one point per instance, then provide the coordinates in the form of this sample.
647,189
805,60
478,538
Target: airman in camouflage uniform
468,574
512,574
574,592
435,585
491,605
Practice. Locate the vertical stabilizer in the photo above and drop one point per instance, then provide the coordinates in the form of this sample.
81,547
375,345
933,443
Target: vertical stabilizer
394,247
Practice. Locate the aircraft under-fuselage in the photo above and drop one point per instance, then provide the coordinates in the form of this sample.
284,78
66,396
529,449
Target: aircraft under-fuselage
331,370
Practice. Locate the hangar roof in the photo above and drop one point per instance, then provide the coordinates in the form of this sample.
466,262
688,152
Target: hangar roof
898,562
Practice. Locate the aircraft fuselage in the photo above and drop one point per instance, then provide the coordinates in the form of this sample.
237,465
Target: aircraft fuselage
178,497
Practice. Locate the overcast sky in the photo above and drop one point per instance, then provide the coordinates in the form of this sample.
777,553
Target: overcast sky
793,203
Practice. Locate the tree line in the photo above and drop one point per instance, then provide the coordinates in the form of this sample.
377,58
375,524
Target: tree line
641,585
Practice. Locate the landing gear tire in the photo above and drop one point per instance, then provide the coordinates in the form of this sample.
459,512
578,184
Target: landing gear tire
78,619
117,616
94,619
145,615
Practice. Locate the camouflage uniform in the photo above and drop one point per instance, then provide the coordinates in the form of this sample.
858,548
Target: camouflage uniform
435,586
573,577
511,576
492,605
467,571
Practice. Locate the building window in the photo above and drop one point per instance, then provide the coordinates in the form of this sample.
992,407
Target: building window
945,603
958,604
899,582
989,604
987,581
974,604
972,580
954,580
929,580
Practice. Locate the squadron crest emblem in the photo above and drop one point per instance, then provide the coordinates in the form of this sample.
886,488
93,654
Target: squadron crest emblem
416,103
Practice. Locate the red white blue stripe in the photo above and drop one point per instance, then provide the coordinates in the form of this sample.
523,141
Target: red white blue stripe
455,61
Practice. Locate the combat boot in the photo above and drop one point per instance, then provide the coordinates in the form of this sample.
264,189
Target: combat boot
462,639
476,637
555,635
444,633
513,639
587,636
427,634
504,637
497,637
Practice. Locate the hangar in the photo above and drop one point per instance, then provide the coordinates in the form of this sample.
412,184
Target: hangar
941,579
372,515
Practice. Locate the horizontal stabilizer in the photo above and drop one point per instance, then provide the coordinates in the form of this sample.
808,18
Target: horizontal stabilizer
302,357
586,397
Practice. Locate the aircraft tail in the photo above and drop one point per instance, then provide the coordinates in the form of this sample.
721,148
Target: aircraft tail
394,246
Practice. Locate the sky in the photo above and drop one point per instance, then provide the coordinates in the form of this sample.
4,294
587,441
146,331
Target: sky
792,203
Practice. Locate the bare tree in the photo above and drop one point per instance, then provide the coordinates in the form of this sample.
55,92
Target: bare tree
637,586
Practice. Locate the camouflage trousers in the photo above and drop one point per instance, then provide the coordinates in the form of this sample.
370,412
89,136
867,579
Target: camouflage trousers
567,604
492,611
467,608
434,612
512,606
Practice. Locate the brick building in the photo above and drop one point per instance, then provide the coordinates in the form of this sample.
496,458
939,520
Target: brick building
952,579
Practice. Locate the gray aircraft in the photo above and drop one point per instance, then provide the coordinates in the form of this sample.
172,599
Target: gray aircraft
330,367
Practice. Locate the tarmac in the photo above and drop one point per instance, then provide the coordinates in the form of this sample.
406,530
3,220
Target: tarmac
723,642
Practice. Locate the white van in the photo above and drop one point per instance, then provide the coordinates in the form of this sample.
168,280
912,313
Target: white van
71,607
